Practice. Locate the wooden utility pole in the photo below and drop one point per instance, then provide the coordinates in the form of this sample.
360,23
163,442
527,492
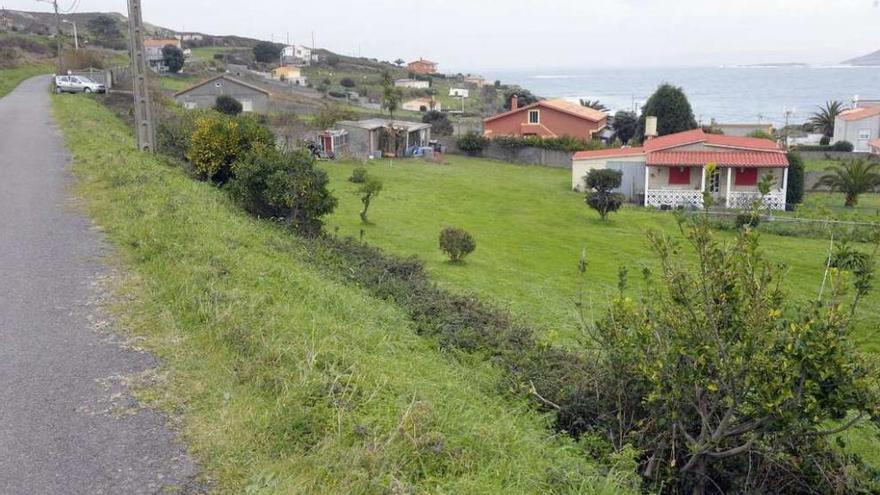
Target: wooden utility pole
57,32
143,112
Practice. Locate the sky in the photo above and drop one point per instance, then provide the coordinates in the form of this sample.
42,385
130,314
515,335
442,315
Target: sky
470,35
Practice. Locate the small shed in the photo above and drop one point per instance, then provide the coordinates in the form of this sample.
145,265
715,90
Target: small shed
205,93
383,137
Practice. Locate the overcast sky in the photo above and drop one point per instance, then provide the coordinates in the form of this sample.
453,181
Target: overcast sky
483,34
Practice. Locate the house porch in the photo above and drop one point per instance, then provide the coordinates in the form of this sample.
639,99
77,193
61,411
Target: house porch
731,187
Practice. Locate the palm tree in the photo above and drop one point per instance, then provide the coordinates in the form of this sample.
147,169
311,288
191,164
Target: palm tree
594,104
852,177
824,119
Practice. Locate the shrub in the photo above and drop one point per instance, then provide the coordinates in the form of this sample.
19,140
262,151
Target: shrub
358,175
561,143
825,141
761,134
844,146
337,94
795,193
173,58
747,218
369,189
472,143
440,124
267,52
288,185
347,82
456,243
601,197
227,105
219,140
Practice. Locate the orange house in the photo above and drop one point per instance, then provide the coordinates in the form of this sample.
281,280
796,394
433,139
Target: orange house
422,66
546,118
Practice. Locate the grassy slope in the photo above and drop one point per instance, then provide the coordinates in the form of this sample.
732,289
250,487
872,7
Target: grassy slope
11,78
530,231
287,381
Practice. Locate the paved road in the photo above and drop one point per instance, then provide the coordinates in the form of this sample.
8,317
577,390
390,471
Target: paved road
67,423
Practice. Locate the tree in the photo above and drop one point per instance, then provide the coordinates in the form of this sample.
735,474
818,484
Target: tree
104,28
173,58
672,109
594,104
456,243
399,62
625,125
601,196
795,193
823,120
720,380
524,97
328,115
853,178
219,140
368,190
391,98
266,52
440,124
279,184
347,82
227,105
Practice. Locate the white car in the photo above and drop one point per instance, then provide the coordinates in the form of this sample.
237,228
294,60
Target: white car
77,84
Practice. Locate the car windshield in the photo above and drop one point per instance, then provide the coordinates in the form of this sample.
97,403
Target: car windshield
85,79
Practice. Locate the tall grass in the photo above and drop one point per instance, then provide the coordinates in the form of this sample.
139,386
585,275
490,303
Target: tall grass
286,381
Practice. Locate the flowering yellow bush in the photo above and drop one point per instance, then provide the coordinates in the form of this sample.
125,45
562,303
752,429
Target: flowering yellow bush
218,141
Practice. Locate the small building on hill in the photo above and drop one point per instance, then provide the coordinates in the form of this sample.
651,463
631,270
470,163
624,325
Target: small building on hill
546,118
671,171
153,52
289,74
412,84
742,129
422,105
422,66
205,93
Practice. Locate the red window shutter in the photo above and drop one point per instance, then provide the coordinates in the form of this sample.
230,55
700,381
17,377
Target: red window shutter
746,177
679,175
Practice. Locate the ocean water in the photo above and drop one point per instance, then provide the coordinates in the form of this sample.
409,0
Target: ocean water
727,94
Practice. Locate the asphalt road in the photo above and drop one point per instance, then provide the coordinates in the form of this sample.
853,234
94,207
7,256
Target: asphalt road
67,422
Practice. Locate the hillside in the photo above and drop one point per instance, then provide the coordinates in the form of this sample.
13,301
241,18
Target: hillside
864,60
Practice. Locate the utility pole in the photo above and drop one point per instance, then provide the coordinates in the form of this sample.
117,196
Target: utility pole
57,32
143,113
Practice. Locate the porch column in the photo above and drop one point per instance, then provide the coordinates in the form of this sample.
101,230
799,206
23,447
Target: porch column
702,185
785,180
729,184
647,179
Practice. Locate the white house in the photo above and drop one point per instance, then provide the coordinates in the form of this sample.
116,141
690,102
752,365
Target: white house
859,125
459,92
412,84
421,105
671,171
297,54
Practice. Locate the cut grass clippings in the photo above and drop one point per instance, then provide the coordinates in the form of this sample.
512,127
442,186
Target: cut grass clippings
288,381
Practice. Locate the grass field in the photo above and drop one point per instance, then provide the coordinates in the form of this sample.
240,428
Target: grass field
11,78
288,382
530,231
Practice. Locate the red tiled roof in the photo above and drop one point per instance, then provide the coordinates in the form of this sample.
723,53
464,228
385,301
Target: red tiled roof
860,113
698,136
748,159
609,153
564,106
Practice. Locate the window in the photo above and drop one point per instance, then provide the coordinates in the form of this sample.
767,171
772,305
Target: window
715,181
679,175
247,106
534,117
189,105
746,177
864,133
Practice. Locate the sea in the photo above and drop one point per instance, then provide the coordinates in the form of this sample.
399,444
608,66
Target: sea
729,94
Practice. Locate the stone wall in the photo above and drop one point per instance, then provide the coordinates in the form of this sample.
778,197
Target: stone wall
525,156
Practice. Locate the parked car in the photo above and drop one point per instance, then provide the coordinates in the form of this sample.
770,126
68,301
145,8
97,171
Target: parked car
78,84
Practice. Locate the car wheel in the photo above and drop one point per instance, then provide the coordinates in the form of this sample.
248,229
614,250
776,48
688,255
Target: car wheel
87,90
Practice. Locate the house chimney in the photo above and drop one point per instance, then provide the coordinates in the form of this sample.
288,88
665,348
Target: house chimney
650,128
514,102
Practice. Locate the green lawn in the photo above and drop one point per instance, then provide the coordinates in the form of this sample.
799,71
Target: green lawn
11,78
530,230
287,381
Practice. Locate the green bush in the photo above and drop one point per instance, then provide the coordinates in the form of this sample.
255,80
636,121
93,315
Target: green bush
795,193
227,105
563,143
456,243
472,143
601,197
347,82
440,124
844,146
825,141
747,218
272,183
358,175
219,140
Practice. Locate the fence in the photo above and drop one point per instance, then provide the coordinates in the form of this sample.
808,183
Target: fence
525,156
101,76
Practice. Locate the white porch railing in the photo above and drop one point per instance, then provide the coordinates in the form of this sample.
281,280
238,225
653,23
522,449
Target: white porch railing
673,198
741,200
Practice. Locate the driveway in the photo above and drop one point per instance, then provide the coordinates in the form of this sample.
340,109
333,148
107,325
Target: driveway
67,422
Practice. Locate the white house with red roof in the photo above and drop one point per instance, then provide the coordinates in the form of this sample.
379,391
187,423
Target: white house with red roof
860,125
670,171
